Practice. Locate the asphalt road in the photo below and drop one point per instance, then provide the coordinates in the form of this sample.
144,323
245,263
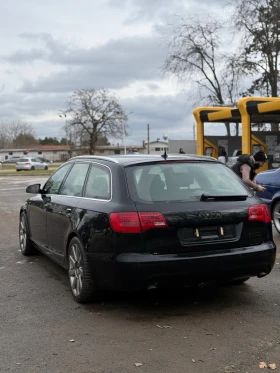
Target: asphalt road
225,329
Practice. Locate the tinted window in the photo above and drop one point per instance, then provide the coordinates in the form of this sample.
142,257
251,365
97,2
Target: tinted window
73,185
53,184
182,181
99,183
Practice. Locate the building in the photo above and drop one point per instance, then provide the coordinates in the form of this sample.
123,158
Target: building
60,153
55,153
156,147
189,146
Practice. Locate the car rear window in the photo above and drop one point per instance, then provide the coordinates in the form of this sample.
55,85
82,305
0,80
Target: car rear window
23,160
181,181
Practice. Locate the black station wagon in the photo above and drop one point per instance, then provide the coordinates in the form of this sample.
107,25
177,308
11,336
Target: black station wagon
134,222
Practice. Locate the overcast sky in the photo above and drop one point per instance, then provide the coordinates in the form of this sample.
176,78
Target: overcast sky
50,49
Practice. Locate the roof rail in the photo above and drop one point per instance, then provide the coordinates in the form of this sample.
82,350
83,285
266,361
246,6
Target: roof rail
109,159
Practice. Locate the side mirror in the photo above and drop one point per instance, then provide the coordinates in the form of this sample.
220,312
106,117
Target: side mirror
34,189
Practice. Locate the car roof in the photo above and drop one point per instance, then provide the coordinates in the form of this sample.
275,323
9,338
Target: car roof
129,159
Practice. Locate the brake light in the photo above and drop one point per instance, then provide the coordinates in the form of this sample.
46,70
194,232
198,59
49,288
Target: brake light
259,213
125,222
151,220
27,163
133,222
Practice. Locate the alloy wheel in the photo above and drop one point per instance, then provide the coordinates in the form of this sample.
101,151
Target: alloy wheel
276,216
76,271
22,234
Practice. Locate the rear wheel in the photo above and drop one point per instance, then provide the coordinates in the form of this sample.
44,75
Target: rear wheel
32,168
26,246
46,167
82,284
276,216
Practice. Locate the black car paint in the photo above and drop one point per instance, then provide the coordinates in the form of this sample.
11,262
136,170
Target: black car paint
136,261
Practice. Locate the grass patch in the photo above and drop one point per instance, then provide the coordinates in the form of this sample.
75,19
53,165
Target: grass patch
11,171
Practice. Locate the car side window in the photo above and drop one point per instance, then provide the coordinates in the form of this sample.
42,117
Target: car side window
53,184
99,183
73,185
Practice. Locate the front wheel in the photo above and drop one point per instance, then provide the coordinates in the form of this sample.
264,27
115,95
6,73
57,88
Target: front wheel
81,281
26,246
46,168
276,216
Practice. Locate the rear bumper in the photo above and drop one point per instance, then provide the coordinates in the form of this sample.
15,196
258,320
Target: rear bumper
23,168
133,271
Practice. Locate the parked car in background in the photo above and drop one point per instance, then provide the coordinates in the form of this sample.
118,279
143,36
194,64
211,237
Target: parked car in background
133,222
271,181
13,159
30,163
231,160
276,157
44,160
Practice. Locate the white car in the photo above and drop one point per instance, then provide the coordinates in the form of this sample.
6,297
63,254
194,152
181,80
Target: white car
30,163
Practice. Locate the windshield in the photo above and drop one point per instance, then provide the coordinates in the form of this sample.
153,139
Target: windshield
182,181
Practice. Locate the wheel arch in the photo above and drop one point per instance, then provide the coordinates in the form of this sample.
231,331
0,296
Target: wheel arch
71,235
274,201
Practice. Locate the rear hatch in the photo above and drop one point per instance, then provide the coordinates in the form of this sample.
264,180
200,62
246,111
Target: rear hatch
202,206
23,162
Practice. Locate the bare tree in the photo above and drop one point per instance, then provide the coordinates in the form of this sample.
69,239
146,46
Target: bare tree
259,20
94,114
11,131
196,54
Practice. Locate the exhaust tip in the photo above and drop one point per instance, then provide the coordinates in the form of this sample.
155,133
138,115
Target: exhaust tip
201,285
261,274
152,286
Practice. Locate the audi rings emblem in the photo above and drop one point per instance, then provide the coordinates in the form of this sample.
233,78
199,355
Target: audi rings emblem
212,215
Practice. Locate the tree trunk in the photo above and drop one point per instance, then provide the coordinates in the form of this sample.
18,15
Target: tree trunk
228,129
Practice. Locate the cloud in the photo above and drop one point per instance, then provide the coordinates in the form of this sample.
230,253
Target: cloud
165,114
171,115
113,65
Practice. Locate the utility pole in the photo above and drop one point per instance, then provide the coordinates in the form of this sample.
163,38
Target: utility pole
148,132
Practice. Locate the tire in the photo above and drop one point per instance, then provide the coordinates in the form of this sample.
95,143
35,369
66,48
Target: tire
276,216
26,246
46,168
82,285
32,168
18,170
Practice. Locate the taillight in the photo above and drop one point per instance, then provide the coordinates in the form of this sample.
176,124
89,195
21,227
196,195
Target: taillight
125,222
151,220
259,213
133,222
27,163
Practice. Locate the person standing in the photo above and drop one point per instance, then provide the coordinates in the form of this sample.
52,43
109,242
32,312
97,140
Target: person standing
222,154
245,168
181,151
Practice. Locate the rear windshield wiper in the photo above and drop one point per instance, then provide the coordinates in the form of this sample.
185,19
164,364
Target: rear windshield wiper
208,197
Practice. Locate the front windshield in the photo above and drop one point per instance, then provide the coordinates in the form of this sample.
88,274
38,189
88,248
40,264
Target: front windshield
183,181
